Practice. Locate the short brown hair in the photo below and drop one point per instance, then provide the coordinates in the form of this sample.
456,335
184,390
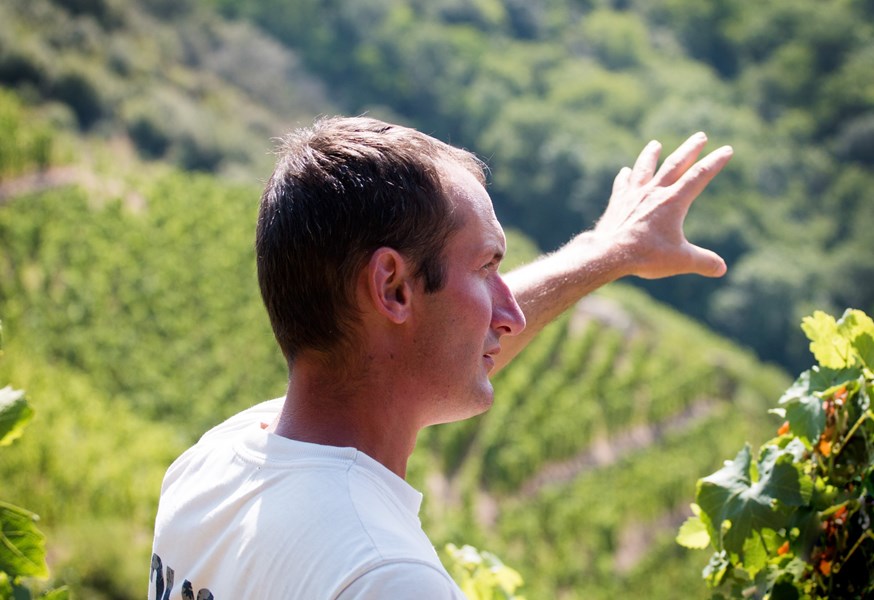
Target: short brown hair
340,190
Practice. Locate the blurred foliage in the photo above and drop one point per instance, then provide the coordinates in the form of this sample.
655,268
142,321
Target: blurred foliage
26,146
23,564
143,328
126,295
90,467
481,575
185,85
558,96
133,282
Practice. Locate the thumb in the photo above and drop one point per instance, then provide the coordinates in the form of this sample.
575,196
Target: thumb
707,262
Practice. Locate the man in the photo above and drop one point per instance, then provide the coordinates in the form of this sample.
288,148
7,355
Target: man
378,252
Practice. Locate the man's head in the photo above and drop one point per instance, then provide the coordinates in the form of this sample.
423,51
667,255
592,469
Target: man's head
341,190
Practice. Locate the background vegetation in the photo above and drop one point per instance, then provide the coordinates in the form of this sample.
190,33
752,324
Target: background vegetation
135,137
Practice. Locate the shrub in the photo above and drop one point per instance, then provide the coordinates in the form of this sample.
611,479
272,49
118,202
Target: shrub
797,523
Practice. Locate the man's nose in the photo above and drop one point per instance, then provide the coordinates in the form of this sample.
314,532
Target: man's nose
507,317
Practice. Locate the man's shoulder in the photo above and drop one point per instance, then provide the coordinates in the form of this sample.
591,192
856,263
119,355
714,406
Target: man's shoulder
262,413
325,516
397,579
224,435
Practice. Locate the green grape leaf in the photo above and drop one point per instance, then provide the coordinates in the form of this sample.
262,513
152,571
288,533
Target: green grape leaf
758,549
858,328
731,496
14,414
802,402
22,545
803,408
481,575
864,346
827,345
781,478
843,343
693,534
716,569
785,588
777,579
797,449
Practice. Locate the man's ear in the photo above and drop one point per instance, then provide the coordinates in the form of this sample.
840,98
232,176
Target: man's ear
389,284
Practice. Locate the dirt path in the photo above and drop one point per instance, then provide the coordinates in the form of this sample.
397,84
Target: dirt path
604,451
37,181
636,539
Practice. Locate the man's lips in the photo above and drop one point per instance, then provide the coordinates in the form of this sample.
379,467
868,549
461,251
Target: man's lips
489,357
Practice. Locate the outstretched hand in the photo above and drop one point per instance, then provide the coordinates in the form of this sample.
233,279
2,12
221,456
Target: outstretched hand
647,209
640,233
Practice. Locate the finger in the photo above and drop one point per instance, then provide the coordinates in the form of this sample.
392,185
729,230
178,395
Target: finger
646,163
621,180
693,181
680,160
691,260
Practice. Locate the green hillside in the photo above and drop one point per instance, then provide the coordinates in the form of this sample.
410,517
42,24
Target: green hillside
582,471
131,316
134,140
173,82
559,95
556,96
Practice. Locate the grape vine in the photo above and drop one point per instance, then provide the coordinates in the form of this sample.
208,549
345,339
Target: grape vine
481,575
796,522
22,544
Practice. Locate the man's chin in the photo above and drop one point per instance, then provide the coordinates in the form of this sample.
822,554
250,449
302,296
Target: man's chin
477,405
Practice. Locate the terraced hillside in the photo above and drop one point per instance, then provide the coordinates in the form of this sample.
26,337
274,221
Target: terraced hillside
584,468
131,317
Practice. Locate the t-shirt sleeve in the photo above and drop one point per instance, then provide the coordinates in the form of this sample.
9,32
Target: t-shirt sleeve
403,580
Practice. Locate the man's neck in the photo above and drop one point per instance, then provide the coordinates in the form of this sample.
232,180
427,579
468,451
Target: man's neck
366,416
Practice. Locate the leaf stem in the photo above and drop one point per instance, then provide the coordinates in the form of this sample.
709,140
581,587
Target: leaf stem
867,415
866,534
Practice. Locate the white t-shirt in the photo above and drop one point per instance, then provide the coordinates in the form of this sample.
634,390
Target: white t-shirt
245,513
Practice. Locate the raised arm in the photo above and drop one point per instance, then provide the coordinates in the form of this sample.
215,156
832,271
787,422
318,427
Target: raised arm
640,233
